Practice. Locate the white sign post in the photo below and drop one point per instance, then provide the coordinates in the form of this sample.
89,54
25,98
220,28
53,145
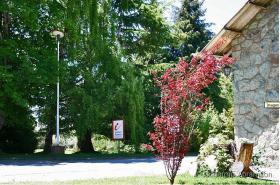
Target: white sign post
118,129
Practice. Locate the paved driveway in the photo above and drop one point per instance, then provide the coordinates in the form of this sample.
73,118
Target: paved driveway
39,170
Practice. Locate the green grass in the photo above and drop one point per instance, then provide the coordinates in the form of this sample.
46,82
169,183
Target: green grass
152,180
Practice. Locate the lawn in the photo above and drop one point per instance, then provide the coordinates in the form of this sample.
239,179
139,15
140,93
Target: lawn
152,180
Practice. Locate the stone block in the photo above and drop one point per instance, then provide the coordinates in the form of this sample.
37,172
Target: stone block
236,53
236,109
238,75
274,116
254,113
238,122
250,72
244,108
245,54
244,85
274,72
251,135
263,22
257,129
250,85
264,31
248,125
253,25
265,69
259,99
265,45
256,59
274,59
254,34
240,132
275,144
240,119
272,95
276,28
247,43
264,122
239,98
245,64
272,83
275,47
255,48
240,39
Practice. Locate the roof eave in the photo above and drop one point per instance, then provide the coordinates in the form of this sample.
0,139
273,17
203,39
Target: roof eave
235,26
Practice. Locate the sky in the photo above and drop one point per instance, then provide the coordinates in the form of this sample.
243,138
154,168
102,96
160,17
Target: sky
218,12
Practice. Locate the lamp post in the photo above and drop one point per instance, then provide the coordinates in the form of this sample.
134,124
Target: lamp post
57,35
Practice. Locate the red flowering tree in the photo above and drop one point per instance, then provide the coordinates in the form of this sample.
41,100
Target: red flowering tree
181,96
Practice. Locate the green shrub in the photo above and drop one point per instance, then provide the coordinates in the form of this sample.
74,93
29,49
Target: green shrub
201,128
214,156
223,124
104,144
18,138
215,147
211,123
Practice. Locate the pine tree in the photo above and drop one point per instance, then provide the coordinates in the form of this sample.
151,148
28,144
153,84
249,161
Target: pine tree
191,28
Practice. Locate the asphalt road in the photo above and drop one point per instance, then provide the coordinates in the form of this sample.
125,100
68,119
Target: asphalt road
46,170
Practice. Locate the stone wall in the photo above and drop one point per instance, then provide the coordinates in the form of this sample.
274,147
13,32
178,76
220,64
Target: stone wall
256,80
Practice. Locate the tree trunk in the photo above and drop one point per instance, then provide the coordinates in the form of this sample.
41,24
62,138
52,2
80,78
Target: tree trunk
48,140
2,120
84,142
5,25
50,131
171,181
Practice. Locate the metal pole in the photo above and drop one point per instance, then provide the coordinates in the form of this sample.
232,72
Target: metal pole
57,94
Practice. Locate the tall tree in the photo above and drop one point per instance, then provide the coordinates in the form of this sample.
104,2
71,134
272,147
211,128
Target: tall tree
102,34
130,106
140,30
143,36
98,75
104,40
191,28
27,68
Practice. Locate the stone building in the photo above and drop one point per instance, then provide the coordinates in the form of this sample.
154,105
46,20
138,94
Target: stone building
252,38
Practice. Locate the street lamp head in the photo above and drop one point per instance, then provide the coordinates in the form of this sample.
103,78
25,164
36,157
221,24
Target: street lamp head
227,70
57,34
